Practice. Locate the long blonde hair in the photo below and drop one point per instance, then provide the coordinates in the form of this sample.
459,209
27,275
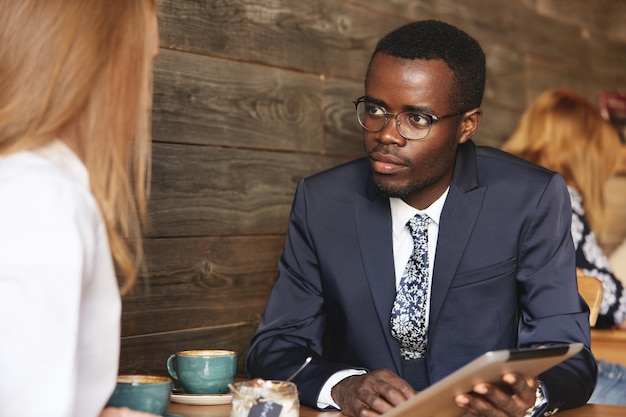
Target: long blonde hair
564,132
81,71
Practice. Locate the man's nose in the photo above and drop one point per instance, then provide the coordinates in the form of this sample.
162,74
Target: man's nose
390,134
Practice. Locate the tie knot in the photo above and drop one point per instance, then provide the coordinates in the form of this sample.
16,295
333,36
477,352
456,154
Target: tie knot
418,224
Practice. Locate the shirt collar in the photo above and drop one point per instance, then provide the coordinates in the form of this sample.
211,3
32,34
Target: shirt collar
401,212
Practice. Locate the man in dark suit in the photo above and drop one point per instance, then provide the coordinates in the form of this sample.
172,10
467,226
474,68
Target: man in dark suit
492,266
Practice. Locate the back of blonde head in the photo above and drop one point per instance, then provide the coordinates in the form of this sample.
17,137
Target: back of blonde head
80,71
564,132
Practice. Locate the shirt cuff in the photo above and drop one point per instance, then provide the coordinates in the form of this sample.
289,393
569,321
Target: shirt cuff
325,400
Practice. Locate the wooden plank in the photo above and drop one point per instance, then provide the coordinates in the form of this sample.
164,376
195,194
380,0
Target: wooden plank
542,75
342,132
505,77
497,125
208,101
512,24
208,191
205,101
608,59
604,17
323,36
201,293
201,282
148,354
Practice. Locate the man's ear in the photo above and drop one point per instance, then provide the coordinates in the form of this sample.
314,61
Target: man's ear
469,124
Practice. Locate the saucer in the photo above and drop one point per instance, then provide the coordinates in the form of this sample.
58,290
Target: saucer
201,399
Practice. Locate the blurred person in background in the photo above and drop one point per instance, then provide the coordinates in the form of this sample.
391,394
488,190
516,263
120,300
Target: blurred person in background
564,132
75,146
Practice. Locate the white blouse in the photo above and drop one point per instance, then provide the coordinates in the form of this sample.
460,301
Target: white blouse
59,299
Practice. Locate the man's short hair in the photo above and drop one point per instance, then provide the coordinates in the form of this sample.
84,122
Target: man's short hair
432,39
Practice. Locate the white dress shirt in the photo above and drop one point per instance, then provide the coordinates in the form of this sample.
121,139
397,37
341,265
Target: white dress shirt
401,213
59,299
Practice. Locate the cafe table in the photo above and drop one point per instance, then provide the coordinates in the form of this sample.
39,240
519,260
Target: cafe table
609,345
184,410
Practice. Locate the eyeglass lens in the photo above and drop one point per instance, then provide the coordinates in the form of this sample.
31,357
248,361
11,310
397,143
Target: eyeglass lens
410,125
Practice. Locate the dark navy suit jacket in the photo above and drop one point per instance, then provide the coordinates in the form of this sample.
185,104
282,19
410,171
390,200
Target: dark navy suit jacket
504,277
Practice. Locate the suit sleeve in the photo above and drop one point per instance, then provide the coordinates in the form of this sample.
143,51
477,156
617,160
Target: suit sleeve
552,310
293,324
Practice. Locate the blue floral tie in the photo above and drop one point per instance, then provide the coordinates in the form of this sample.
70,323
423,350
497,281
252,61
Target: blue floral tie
408,316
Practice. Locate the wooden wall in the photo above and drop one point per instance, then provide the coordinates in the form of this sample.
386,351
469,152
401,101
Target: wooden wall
252,95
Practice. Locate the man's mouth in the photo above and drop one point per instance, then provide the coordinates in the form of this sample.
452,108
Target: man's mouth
384,163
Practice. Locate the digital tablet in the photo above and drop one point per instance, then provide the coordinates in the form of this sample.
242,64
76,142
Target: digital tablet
438,399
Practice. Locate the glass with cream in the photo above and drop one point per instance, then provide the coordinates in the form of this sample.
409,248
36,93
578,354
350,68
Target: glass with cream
261,398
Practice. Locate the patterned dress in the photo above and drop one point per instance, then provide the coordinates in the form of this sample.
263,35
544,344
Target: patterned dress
591,258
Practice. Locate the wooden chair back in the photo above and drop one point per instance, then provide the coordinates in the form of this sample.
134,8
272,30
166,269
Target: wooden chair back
590,289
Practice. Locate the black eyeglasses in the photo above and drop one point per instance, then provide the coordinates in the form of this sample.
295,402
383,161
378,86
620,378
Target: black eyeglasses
411,125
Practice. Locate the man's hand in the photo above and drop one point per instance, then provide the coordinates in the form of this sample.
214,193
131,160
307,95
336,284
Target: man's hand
371,394
489,400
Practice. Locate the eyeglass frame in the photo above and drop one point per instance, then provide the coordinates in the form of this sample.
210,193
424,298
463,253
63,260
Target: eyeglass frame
430,117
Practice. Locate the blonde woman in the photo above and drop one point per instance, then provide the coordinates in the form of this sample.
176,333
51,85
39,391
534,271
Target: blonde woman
564,132
76,89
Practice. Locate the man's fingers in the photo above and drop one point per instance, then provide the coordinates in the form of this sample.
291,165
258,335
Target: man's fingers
511,399
372,393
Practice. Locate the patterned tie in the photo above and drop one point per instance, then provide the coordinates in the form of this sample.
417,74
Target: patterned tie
408,316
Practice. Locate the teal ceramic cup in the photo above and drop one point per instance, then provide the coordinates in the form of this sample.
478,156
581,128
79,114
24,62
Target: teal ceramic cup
147,393
203,371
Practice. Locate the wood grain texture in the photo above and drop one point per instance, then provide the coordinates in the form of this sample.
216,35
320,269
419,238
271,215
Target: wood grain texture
605,17
342,132
512,24
148,354
200,293
505,77
323,36
207,101
202,282
497,125
207,191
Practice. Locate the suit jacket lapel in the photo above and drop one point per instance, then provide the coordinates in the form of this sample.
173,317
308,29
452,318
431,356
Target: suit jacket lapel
457,221
373,226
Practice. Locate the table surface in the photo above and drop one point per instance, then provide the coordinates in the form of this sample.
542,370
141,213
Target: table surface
609,345
589,410
607,334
